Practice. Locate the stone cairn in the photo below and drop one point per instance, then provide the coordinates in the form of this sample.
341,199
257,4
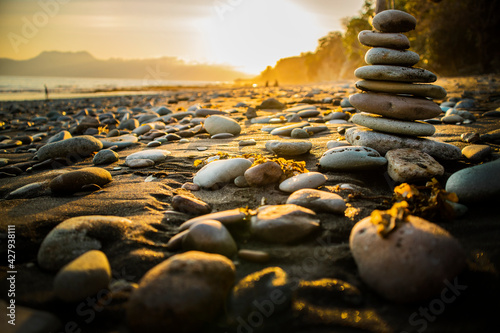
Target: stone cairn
396,95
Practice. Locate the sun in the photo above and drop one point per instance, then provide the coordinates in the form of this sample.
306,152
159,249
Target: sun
253,34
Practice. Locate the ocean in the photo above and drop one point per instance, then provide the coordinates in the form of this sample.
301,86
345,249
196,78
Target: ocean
16,88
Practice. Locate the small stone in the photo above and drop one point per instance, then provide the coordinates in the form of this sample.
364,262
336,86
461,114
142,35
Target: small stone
389,40
393,20
105,156
220,124
383,56
182,294
303,180
254,256
222,171
32,190
381,124
466,104
288,148
122,141
299,133
287,130
493,136
407,164
263,174
462,113
318,201
470,137
452,119
73,181
477,183
190,205
395,73
190,186
383,142
244,143
397,107
476,152
155,155
351,158
228,218
271,103
241,182
222,136
140,163
62,135
284,223
422,90
412,263
210,236
75,236
83,277
153,144
335,144
81,146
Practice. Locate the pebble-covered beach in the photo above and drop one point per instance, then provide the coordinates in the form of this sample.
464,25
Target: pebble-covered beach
349,207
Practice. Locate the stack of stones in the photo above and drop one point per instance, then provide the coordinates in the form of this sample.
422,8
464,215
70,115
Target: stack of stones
395,95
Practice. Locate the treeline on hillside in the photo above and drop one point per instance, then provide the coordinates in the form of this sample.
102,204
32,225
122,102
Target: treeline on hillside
453,38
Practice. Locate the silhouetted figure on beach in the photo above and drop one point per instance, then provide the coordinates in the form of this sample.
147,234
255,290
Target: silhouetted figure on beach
267,84
276,83
46,92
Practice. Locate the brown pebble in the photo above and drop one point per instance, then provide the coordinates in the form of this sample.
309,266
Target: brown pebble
189,205
254,256
190,186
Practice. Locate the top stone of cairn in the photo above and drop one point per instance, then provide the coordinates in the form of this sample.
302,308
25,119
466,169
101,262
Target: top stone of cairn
393,20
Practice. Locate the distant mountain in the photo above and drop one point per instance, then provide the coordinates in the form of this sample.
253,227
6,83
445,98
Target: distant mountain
83,64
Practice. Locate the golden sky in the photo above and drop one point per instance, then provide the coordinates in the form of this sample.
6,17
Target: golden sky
246,34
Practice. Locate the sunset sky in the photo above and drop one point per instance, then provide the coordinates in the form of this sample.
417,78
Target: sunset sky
246,34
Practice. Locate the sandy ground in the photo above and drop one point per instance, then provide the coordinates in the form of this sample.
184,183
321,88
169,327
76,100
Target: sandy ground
323,255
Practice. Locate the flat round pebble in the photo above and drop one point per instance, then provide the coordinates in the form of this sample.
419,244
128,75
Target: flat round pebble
284,223
395,73
244,143
476,152
390,40
394,20
318,201
303,180
411,263
182,294
105,156
263,174
122,141
83,277
384,56
222,171
82,146
351,158
210,236
190,205
140,163
155,155
222,136
423,90
477,183
386,125
299,133
254,256
74,181
288,148
220,124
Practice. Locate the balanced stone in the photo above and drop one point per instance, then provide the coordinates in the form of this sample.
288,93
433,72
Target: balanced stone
221,124
393,20
389,40
284,223
411,263
477,183
263,174
75,236
423,90
73,181
83,277
353,158
383,56
289,148
398,107
395,73
303,180
155,155
210,236
383,142
318,201
378,123
182,294
408,164
222,171
82,146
